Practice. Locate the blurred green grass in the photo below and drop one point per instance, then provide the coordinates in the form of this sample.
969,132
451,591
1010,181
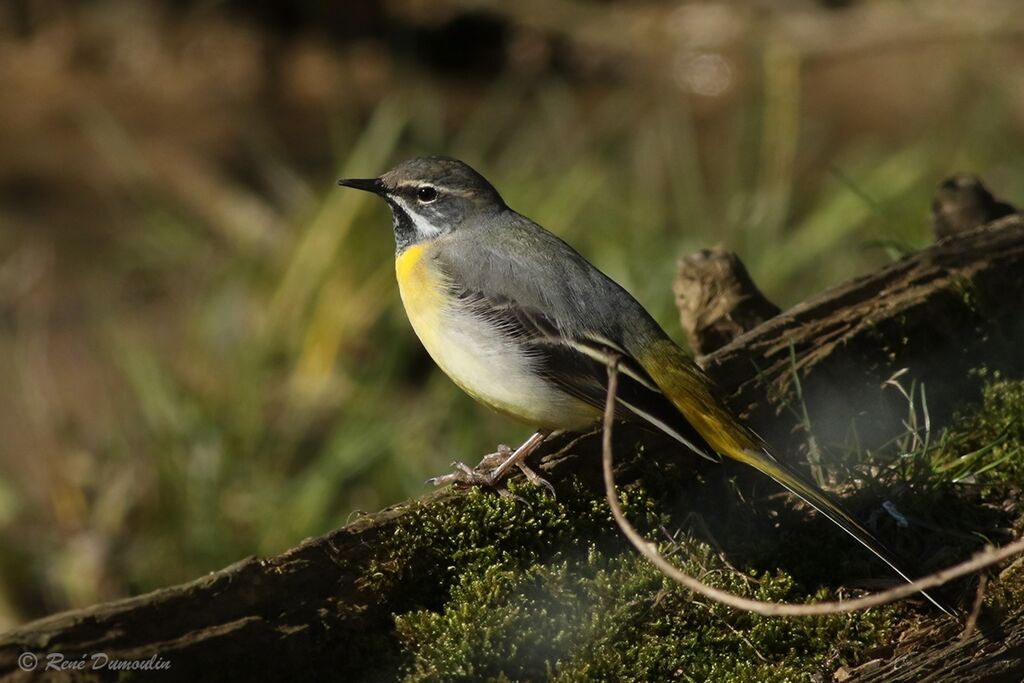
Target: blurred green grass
263,380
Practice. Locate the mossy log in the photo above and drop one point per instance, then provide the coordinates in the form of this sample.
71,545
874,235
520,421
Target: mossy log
309,613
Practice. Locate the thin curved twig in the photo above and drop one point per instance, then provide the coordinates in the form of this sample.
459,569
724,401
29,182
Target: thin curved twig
985,558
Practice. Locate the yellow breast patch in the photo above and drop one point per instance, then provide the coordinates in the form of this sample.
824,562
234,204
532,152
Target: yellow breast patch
422,291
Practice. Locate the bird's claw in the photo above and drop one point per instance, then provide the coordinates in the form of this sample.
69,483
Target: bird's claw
464,475
536,479
483,474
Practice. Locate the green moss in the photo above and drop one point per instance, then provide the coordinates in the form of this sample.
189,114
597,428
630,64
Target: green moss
986,445
529,587
617,618
439,543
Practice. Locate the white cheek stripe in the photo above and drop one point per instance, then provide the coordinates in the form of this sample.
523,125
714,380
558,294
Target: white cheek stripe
423,227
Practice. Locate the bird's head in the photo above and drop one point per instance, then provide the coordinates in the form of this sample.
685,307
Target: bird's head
431,196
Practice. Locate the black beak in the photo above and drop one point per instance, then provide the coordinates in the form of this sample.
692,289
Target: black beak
373,185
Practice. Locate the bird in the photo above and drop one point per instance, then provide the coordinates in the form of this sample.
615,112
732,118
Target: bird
524,324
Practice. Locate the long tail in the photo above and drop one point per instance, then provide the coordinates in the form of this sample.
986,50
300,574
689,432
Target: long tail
693,395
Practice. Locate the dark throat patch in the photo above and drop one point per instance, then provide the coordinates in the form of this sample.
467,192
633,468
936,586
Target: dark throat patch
405,232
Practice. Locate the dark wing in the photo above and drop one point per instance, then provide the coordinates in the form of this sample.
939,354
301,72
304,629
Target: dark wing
578,365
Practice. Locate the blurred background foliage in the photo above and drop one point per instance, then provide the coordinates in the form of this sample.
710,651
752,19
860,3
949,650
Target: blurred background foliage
202,350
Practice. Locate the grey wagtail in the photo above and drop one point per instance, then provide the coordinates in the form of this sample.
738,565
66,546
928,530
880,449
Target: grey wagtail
524,324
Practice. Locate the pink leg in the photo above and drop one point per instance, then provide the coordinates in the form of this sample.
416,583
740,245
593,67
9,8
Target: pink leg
480,476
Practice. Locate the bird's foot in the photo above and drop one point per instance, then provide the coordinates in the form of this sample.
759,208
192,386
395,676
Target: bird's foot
536,479
491,471
481,475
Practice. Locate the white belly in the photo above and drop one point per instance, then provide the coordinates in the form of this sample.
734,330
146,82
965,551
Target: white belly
493,370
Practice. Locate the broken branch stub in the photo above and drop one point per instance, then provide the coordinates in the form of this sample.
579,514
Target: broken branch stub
717,299
962,202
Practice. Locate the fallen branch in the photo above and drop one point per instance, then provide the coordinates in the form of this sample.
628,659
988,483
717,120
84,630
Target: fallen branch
306,613
985,558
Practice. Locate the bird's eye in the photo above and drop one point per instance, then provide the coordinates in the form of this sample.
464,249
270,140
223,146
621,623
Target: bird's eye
426,194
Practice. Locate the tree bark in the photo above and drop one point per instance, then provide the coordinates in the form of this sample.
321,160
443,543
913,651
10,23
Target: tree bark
988,655
302,615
